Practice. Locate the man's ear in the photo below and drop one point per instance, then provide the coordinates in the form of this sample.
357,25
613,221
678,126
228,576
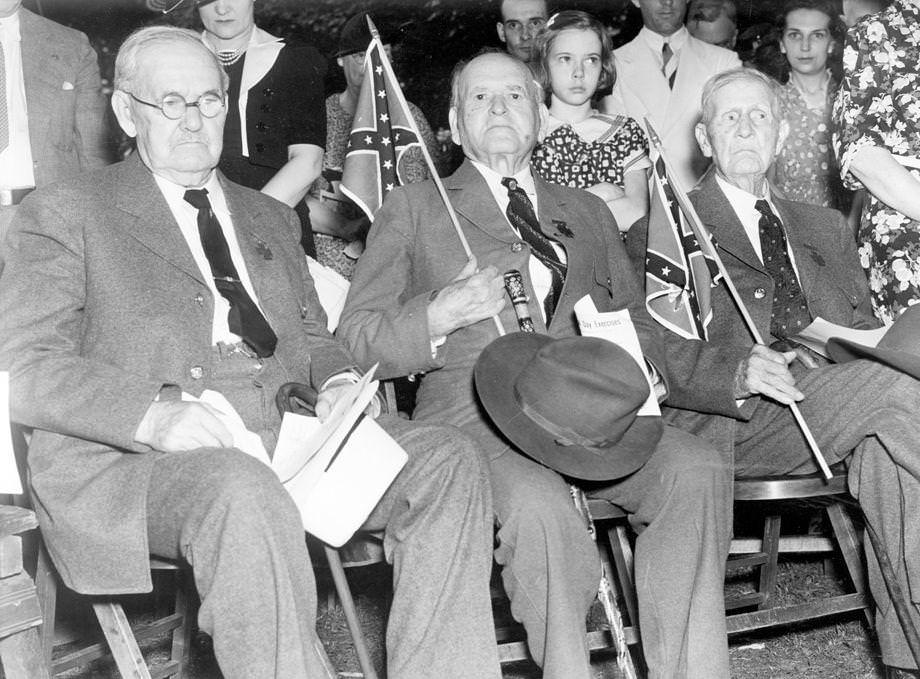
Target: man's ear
454,126
500,27
124,114
702,138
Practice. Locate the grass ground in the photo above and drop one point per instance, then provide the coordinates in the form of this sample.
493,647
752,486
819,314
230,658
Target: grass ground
840,649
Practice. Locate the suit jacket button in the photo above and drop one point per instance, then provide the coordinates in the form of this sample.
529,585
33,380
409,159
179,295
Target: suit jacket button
517,247
760,293
199,299
260,148
196,372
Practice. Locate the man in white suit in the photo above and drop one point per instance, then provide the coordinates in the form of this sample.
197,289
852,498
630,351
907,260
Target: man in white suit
660,76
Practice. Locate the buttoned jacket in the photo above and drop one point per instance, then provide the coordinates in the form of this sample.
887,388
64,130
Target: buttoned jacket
103,306
701,373
413,251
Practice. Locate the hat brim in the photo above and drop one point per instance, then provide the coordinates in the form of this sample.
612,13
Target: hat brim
495,375
843,351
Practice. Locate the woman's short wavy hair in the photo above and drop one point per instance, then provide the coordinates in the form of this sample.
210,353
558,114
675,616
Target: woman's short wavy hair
576,20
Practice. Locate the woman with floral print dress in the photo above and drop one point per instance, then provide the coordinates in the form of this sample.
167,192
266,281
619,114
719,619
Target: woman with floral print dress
877,142
607,155
805,169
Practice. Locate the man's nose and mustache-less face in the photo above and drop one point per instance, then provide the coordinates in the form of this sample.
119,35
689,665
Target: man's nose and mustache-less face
521,21
662,16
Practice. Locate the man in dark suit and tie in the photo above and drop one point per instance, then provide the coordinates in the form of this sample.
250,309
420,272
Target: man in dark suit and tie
792,263
417,306
52,112
128,286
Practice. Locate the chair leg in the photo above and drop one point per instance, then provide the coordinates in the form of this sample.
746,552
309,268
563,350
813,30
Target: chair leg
46,589
351,613
121,640
768,571
623,568
182,635
848,542
21,655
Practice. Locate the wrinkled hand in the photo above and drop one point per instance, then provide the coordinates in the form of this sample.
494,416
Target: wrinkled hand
175,426
471,297
766,372
327,398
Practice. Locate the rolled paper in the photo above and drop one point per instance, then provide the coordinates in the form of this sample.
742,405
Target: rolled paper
514,286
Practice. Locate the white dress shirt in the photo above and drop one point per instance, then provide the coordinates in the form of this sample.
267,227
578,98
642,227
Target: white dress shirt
742,203
187,217
16,160
656,41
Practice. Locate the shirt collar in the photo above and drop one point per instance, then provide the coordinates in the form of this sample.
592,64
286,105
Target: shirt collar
176,193
524,178
9,27
656,41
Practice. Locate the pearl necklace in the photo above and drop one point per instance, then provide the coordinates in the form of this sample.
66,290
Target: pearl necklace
228,58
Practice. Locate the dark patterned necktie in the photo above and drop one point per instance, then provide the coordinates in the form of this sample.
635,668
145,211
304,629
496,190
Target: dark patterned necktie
790,309
523,218
245,318
667,54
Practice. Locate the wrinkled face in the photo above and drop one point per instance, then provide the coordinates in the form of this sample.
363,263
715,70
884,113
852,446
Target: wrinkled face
662,16
806,40
743,133
173,148
228,19
496,113
574,65
720,32
521,21
8,7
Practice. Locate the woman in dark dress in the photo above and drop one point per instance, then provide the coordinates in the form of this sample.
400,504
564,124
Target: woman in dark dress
276,121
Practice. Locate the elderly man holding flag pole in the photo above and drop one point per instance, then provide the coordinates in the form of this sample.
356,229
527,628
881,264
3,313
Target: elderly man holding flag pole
427,297
784,265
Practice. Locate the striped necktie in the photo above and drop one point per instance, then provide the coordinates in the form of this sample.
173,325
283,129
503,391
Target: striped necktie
668,64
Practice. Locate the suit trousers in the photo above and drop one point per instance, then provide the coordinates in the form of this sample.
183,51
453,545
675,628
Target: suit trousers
680,505
864,412
229,516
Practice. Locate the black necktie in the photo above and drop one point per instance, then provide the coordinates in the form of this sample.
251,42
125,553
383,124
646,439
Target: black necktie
666,55
523,218
790,309
244,318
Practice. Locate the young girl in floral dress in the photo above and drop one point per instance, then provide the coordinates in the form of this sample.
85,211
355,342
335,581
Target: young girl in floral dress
607,155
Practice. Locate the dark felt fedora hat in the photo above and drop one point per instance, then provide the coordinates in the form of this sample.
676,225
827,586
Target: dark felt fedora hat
898,348
356,36
570,404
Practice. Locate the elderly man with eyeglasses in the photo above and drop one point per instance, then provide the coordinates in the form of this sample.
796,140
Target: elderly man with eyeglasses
130,286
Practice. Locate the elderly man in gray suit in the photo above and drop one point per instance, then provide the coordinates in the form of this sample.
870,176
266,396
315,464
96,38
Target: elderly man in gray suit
792,263
52,112
130,285
410,309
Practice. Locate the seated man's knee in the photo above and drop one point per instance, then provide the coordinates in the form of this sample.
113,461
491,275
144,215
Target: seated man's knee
236,479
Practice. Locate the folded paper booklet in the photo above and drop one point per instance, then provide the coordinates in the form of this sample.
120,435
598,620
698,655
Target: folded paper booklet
819,331
337,470
616,327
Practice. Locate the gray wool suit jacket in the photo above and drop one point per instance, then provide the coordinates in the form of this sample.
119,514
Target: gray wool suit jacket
701,373
67,110
102,306
413,250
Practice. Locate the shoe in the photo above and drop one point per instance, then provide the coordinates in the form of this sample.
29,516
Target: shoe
900,673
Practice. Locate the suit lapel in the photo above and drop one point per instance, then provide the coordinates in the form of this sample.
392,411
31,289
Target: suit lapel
807,258
638,66
153,224
472,199
718,215
41,72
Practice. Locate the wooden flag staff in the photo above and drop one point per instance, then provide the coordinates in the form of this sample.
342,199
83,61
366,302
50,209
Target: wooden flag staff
706,241
432,171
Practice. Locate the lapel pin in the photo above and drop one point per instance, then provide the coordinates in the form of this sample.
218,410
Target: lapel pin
563,228
264,250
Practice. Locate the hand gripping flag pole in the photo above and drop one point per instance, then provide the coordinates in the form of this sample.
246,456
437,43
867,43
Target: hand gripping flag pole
370,197
705,242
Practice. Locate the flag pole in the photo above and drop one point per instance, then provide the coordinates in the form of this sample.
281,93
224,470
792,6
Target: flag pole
432,171
704,237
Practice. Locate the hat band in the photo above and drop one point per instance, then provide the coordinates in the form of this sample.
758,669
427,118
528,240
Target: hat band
562,435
